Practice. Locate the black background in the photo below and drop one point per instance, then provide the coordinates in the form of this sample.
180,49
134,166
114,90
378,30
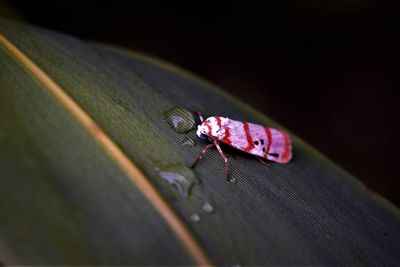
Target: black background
327,70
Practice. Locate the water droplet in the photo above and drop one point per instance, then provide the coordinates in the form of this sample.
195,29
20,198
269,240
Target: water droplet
182,178
207,207
120,104
121,108
180,119
195,218
188,142
232,180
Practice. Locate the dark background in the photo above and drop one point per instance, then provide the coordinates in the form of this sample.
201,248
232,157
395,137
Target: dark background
327,70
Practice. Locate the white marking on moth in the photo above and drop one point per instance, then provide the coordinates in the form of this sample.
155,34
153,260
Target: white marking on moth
216,130
237,134
224,121
201,129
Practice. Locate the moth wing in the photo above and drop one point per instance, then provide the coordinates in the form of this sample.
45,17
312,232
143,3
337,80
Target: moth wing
280,146
234,135
270,143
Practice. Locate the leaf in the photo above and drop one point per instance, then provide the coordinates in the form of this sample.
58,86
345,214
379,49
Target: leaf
65,197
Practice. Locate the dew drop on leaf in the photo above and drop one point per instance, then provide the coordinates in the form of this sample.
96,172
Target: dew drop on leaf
121,108
177,180
195,218
182,178
189,142
180,119
207,207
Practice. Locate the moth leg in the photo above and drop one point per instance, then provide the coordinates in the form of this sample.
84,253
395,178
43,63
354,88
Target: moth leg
202,154
224,158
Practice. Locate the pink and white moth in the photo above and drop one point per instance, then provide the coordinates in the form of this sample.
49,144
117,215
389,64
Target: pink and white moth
263,142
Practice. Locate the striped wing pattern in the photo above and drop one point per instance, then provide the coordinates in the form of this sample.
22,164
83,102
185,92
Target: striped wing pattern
269,143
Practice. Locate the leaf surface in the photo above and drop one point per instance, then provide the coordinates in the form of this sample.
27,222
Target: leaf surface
65,200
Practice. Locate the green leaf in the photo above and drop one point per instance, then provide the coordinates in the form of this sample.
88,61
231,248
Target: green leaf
67,198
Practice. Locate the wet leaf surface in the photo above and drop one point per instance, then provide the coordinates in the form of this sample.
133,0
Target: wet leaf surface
63,200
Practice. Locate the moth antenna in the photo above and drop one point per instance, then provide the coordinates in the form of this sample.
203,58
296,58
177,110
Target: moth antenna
198,113
200,116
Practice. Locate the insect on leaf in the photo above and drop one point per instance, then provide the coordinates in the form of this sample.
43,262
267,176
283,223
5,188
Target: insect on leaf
92,172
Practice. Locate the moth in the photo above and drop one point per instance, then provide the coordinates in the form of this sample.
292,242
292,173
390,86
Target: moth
263,142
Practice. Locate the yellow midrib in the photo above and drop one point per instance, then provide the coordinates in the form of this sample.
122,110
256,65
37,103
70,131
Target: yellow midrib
134,174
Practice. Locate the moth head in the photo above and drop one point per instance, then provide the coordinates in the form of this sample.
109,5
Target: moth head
203,130
213,126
